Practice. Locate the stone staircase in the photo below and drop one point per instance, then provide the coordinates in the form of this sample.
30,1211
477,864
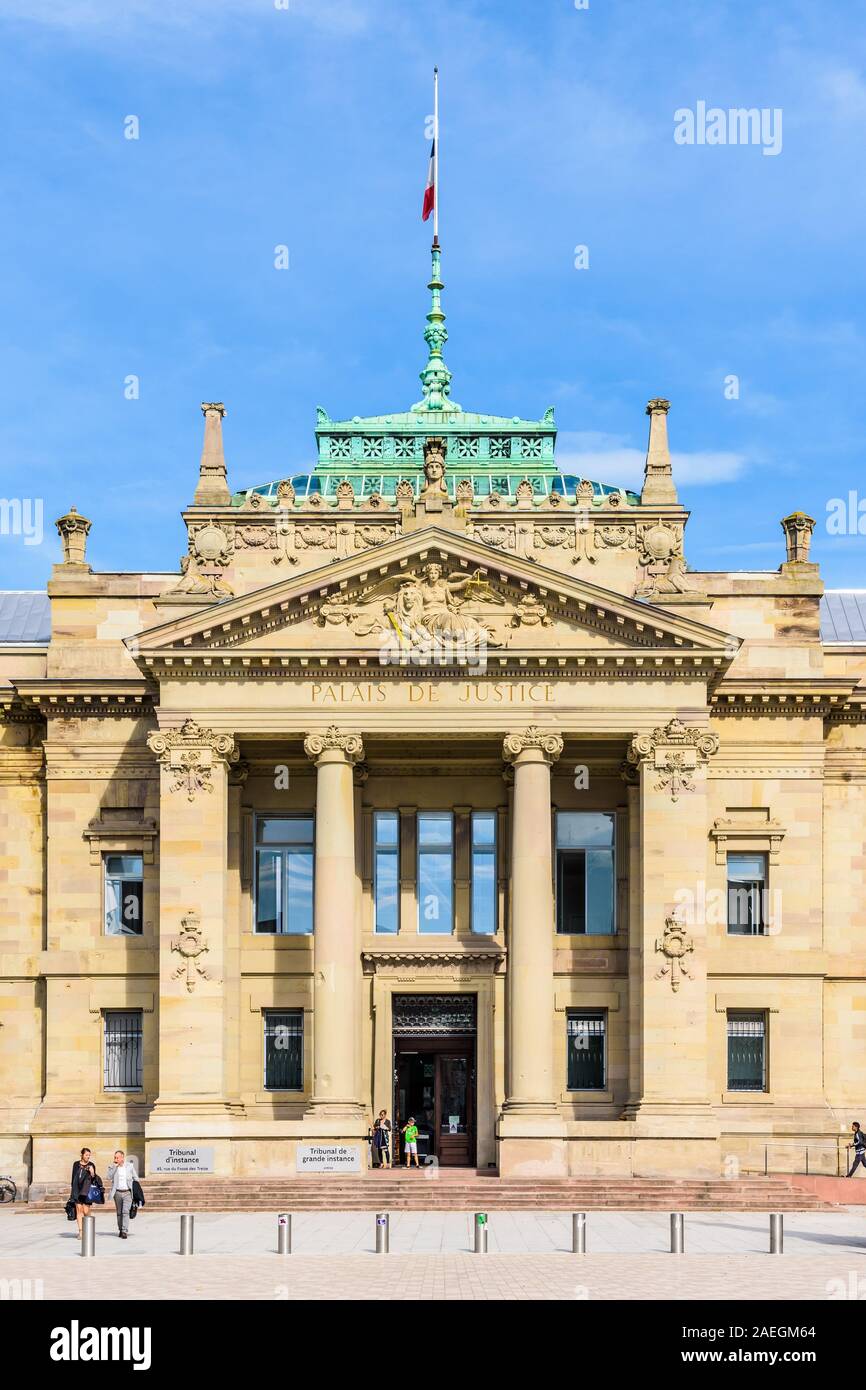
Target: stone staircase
456,1190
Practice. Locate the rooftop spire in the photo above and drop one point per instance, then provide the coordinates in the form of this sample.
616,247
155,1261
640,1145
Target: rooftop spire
213,488
658,482
436,378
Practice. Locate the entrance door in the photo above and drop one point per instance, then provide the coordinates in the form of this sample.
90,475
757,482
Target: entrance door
435,1083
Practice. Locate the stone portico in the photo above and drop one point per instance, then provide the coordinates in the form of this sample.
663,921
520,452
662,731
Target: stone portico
434,633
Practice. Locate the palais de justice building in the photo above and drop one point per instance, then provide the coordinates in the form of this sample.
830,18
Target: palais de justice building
436,781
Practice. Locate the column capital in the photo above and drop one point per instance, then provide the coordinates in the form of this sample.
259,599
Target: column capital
675,752
333,739
544,741
190,753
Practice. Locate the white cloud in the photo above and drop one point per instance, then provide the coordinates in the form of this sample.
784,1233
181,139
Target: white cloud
606,459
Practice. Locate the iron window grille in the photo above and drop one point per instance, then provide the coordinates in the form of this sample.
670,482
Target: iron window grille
587,1050
123,1050
284,1049
747,1051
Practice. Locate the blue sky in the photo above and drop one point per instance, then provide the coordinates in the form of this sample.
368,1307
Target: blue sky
305,126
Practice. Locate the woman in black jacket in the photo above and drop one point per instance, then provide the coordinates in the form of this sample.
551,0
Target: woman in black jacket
80,1188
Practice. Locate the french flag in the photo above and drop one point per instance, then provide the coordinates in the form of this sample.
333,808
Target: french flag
430,190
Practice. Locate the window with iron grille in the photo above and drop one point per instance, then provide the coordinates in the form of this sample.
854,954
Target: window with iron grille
123,1050
747,1051
587,1062
123,892
284,1049
747,895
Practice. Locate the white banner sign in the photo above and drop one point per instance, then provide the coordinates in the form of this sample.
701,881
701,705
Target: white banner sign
328,1158
188,1158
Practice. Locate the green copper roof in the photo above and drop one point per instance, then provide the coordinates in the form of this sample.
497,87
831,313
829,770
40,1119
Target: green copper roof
374,452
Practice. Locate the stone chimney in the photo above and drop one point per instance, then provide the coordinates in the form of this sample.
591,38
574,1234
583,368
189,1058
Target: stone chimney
798,528
213,488
658,481
72,530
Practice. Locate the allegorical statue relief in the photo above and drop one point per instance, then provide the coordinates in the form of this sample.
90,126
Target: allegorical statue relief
424,605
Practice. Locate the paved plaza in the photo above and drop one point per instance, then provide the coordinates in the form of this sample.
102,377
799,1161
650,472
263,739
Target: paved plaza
529,1257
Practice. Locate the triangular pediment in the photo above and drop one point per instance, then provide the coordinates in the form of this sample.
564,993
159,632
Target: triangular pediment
431,584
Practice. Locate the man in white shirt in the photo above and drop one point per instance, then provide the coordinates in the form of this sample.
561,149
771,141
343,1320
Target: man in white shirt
121,1175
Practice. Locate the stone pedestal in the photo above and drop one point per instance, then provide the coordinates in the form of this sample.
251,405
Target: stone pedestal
531,1132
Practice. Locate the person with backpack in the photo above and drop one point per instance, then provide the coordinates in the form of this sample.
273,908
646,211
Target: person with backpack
859,1147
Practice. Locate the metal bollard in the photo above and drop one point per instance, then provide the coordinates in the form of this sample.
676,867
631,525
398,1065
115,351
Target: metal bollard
677,1233
481,1233
88,1235
777,1232
383,1232
187,1233
578,1233
284,1233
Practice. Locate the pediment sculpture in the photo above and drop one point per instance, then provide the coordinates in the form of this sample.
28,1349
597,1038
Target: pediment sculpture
428,604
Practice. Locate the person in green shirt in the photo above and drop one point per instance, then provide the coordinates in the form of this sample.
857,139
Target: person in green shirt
410,1141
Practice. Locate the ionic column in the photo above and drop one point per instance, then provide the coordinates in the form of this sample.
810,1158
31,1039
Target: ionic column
530,1129
336,960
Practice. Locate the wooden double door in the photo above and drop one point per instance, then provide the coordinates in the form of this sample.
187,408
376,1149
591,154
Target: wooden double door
434,1081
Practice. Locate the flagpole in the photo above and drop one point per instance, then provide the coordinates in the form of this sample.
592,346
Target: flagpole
436,156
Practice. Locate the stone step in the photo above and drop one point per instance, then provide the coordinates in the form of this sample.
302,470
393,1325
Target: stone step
461,1192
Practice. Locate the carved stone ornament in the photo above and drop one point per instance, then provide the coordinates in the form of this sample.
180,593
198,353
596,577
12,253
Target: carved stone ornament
464,491
285,493
404,493
188,755
210,545
549,743
199,583
675,944
347,742
190,946
73,530
660,553
675,752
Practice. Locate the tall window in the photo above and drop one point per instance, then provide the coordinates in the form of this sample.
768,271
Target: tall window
585,876
587,1034
386,871
123,893
122,1050
747,894
435,871
484,872
747,1051
284,1049
284,875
